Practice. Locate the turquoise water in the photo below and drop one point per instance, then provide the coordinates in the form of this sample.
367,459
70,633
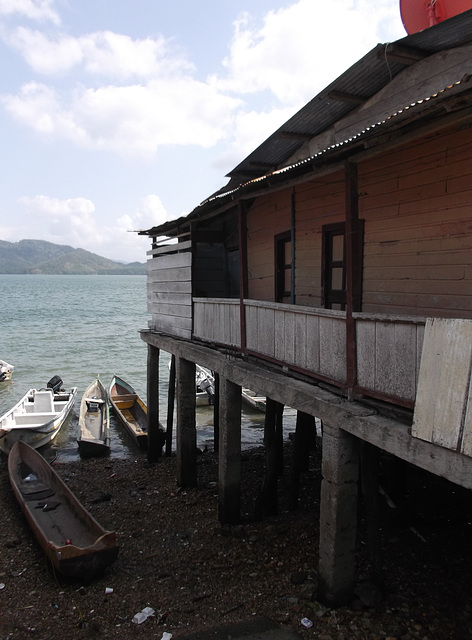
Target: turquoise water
81,327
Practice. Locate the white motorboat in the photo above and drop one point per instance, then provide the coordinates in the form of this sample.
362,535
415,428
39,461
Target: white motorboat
37,418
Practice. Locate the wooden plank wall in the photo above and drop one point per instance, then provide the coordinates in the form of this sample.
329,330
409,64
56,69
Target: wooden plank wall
418,228
316,204
169,291
217,321
389,354
299,336
268,216
443,410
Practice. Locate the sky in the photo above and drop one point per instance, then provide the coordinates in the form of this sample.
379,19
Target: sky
118,115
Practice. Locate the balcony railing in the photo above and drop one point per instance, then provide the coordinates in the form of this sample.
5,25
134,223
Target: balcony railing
387,355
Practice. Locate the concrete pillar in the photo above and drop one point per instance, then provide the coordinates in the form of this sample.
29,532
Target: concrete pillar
229,453
338,516
154,431
186,434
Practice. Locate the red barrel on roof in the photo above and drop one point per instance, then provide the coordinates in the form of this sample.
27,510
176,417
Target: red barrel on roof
421,14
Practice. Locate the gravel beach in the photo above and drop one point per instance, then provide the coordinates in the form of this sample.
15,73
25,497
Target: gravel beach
176,559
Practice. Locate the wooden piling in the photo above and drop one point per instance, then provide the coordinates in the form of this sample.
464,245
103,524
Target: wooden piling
229,453
155,441
186,424
170,407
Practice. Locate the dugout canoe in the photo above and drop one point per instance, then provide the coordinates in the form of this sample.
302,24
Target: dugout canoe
74,542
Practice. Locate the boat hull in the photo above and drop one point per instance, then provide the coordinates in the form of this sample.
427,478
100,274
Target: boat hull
73,541
93,436
130,410
35,428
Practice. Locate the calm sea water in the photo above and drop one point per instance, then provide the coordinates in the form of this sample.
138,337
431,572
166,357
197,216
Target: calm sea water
81,327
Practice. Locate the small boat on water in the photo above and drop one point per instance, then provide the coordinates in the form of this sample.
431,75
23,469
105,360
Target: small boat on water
205,391
37,418
93,437
6,371
129,409
253,400
75,543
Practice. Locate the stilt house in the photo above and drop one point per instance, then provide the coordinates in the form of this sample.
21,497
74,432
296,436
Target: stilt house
333,274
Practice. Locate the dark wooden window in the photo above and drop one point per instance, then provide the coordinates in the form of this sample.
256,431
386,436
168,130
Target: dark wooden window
283,267
334,267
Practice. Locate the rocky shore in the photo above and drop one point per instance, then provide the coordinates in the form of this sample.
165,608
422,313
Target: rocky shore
176,559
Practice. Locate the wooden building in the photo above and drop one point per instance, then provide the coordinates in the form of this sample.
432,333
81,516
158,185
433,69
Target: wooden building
333,274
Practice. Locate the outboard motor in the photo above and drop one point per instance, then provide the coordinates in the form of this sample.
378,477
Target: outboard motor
207,386
55,384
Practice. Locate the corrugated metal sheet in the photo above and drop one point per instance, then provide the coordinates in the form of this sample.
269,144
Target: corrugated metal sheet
364,79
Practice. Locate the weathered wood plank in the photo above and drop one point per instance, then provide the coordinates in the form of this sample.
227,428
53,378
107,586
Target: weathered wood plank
366,345
176,274
313,343
444,382
170,248
170,261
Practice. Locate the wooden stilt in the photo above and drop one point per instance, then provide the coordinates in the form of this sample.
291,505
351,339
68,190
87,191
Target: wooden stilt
229,453
304,428
216,414
266,502
186,424
155,434
279,437
170,407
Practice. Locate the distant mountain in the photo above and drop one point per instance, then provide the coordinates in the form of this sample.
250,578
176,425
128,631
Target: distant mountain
41,257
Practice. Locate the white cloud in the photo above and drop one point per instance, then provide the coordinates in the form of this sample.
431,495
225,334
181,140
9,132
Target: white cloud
75,222
32,9
102,53
137,95
45,55
151,212
130,120
249,131
301,48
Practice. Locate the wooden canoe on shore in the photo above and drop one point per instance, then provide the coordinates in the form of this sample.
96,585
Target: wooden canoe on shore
94,421
129,409
75,543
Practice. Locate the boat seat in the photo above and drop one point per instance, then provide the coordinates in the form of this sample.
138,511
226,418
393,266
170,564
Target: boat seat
43,401
128,415
33,419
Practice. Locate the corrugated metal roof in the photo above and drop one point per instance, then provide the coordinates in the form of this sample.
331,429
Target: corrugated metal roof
363,80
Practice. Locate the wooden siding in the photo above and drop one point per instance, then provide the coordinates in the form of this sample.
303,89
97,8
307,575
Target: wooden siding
169,291
298,336
418,228
443,411
316,204
217,321
267,217
389,354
